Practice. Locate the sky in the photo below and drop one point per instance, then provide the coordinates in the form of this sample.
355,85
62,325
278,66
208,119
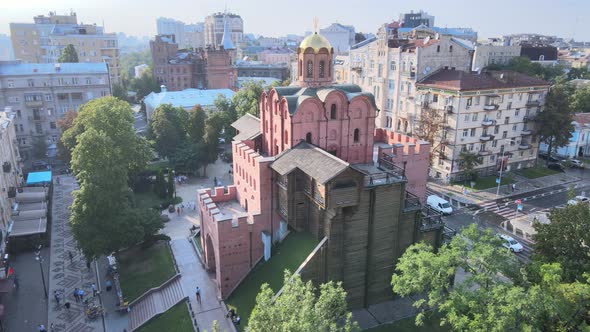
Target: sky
563,18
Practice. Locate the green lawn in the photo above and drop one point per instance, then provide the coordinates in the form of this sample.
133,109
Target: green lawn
141,269
289,255
431,324
176,319
536,172
149,199
488,182
197,238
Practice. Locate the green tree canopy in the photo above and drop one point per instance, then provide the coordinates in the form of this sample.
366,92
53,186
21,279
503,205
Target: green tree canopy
525,66
65,123
144,85
196,124
565,240
581,100
119,91
468,161
246,99
190,157
298,308
554,123
39,147
68,54
168,129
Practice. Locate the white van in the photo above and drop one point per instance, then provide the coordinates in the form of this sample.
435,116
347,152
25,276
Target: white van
439,204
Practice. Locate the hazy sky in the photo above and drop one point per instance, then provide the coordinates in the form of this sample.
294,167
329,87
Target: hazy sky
564,18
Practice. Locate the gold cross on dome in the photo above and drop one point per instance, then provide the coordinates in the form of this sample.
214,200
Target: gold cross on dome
315,24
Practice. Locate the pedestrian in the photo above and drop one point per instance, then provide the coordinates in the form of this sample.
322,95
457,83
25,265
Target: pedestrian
81,294
42,328
181,208
16,282
71,257
198,292
513,187
76,295
51,327
178,210
56,296
214,181
108,285
194,206
88,264
67,305
93,289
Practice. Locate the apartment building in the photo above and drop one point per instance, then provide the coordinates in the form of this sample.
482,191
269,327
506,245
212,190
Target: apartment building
340,36
186,35
40,93
493,54
44,40
490,114
390,67
11,177
214,26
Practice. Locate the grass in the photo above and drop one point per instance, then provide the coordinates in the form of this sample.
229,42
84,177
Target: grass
288,255
141,269
431,323
158,165
197,238
176,319
536,172
486,182
149,199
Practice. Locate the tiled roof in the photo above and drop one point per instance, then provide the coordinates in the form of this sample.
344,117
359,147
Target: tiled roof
12,68
186,98
467,81
582,118
310,159
248,127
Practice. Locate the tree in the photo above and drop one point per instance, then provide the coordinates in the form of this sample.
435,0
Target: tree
554,123
430,127
68,54
128,61
168,129
526,66
119,91
495,295
469,160
39,147
65,123
246,99
196,124
578,73
565,240
580,102
326,312
190,157
144,85
160,186
171,184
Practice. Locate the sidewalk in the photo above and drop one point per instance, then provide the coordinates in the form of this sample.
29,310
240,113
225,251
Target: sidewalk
193,273
66,275
523,185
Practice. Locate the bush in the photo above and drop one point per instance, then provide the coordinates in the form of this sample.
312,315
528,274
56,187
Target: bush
148,242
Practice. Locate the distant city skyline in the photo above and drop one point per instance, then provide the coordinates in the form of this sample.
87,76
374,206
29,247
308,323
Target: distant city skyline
569,19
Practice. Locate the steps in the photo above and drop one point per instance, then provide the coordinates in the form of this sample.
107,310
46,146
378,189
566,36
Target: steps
155,301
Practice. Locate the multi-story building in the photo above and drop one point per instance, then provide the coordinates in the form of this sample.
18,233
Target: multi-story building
214,26
276,56
389,68
44,40
422,31
140,69
340,36
40,93
308,165
258,69
412,20
187,99
6,53
186,35
490,114
490,54
579,144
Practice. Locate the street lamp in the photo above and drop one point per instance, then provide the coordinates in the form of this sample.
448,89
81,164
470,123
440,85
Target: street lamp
502,168
40,260
174,182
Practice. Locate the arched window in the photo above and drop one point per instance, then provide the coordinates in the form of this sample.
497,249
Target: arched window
308,138
300,67
356,135
286,136
333,112
541,57
405,126
309,69
246,204
399,125
322,65
330,67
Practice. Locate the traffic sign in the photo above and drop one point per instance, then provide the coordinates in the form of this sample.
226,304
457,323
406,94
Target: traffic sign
519,207
498,180
518,201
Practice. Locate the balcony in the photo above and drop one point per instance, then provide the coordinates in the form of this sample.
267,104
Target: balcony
34,103
484,152
37,118
11,192
528,118
449,108
526,132
491,107
488,122
412,202
485,137
532,103
6,167
38,133
524,146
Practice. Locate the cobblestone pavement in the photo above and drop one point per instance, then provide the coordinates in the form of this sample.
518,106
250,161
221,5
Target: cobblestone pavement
64,274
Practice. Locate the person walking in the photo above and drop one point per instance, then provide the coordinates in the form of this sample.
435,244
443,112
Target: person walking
198,293
71,257
76,295
178,211
513,187
56,296
42,328
15,282
94,290
214,181
67,305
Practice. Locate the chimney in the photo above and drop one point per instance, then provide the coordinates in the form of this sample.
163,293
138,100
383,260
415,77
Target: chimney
163,88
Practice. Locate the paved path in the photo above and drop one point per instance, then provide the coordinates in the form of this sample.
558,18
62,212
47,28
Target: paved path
66,275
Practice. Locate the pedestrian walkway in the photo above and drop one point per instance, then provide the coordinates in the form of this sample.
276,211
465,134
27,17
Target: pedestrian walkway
66,274
506,210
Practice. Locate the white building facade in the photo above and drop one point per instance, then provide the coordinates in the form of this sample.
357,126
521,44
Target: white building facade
214,26
340,36
485,55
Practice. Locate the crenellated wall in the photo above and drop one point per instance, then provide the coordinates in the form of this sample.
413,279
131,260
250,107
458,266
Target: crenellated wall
408,153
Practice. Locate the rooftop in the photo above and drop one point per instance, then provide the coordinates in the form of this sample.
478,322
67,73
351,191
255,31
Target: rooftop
248,127
186,98
15,68
459,80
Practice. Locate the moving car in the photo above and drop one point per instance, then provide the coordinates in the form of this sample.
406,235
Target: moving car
576,163
439,204
510,243
555,166
578,199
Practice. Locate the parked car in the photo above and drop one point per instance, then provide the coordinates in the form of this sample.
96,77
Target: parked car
575,163
510,243
578,199
555,166
544,156
39,164
439,204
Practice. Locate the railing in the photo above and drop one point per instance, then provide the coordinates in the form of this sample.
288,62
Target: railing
526,132
34,103
430,219
412,201
316,197
283,212
533,103
491,107
485,137
386,164
524,146
484,152
449,108
528,118
488,122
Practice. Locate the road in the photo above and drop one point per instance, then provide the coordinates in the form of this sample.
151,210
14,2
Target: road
140,123
492,214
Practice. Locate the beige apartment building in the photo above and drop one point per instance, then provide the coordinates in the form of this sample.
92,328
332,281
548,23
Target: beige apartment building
390,67
44,40
40,93
11,176
490,113
214,26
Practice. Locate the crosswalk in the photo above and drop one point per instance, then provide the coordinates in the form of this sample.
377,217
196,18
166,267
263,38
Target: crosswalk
506,210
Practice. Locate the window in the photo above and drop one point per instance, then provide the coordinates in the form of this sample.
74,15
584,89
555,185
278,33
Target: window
517,111
450,48
52,125
494,144
477,100
504,134
469,101
333,112
509,106
10,83
492,158
392,65
30,83
474,118
74,80
48,97
501,148
438,48
467,117
473,130
465,132
521,153
470,148
510,96
435,98
322,65
308,138
514,127
18,114
309,69
499,115
391,84
506,120
356,136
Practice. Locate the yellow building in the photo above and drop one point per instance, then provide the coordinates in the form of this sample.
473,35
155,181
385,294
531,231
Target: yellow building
44,40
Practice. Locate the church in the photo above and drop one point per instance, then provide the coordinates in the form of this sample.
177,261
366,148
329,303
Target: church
314,162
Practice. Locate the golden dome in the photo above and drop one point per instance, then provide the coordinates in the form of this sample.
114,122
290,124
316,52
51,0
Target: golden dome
316,42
